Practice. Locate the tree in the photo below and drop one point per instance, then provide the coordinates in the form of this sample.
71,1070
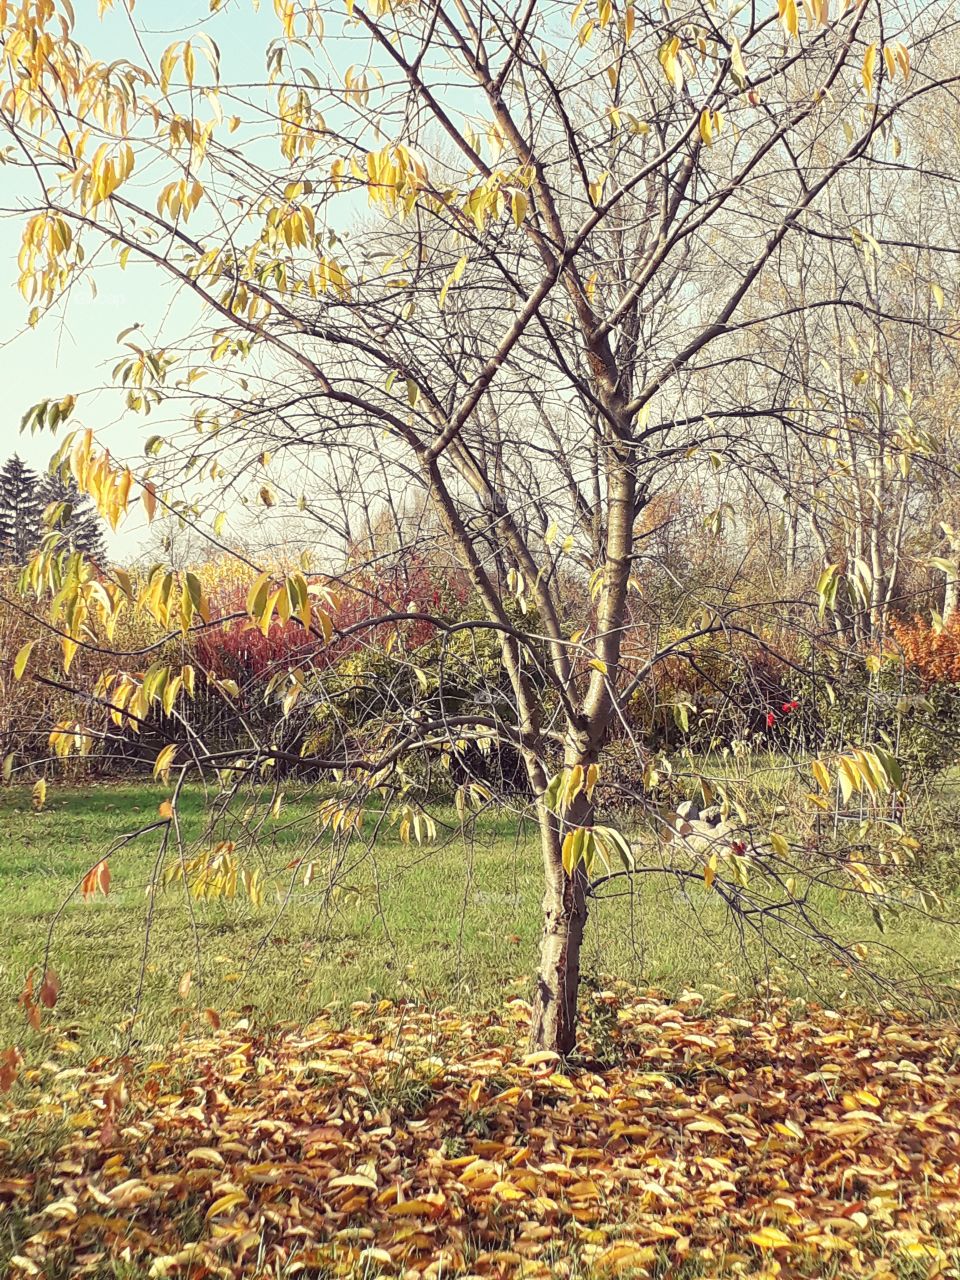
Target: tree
538,330
31,505
20,511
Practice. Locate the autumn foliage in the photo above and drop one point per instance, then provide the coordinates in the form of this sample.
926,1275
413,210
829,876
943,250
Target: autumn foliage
933,653
233,648
239,650
417,1144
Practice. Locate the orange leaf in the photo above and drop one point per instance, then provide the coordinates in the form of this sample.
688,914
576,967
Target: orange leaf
9,1065
28,1004
97,880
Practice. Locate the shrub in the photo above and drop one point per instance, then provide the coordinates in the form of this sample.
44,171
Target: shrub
33,706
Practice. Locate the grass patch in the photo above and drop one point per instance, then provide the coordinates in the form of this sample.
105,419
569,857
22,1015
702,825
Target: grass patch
458,923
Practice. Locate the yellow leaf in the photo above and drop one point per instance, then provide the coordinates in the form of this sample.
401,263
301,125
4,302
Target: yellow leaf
22,658
69,649
226,1202
596,188
593,773
452,279
769,1238
161,766
707,1125
624,1258
573,785
869,62
356,1180
39,793
507,1191
737,64
789,17
671,63
849,779
518,207
206,1155
572,849
789,1129
423,1207
266,618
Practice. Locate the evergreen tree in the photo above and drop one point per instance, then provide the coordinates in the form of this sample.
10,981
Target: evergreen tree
65,508
20,509
6,532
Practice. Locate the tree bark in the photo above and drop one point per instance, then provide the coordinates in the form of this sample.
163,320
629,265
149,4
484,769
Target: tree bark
951,594
554,1022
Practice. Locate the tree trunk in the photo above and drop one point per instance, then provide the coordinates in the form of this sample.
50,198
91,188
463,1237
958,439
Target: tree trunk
950,596
554,1024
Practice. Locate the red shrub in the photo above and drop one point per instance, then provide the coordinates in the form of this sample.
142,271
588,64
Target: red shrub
239,650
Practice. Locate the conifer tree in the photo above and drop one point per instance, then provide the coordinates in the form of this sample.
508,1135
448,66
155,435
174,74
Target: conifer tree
20,509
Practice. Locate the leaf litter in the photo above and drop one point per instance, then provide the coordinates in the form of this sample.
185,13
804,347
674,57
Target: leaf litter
414,1143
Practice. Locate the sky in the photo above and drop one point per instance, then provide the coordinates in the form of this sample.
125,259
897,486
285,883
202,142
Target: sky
74,348
73,351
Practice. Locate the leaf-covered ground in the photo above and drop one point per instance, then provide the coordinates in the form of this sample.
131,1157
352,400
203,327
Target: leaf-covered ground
796,1143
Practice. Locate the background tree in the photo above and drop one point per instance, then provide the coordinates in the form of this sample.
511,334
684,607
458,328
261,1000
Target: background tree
32,505
576,216
20,511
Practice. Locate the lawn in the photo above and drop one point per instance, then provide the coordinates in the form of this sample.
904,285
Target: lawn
453,923
336,1083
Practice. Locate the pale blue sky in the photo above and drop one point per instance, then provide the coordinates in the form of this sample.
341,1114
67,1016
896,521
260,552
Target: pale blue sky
73,350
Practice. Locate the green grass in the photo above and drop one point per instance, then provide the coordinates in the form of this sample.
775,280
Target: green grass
457,923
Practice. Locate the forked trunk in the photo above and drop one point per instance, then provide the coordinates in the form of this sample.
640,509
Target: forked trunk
554,1024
